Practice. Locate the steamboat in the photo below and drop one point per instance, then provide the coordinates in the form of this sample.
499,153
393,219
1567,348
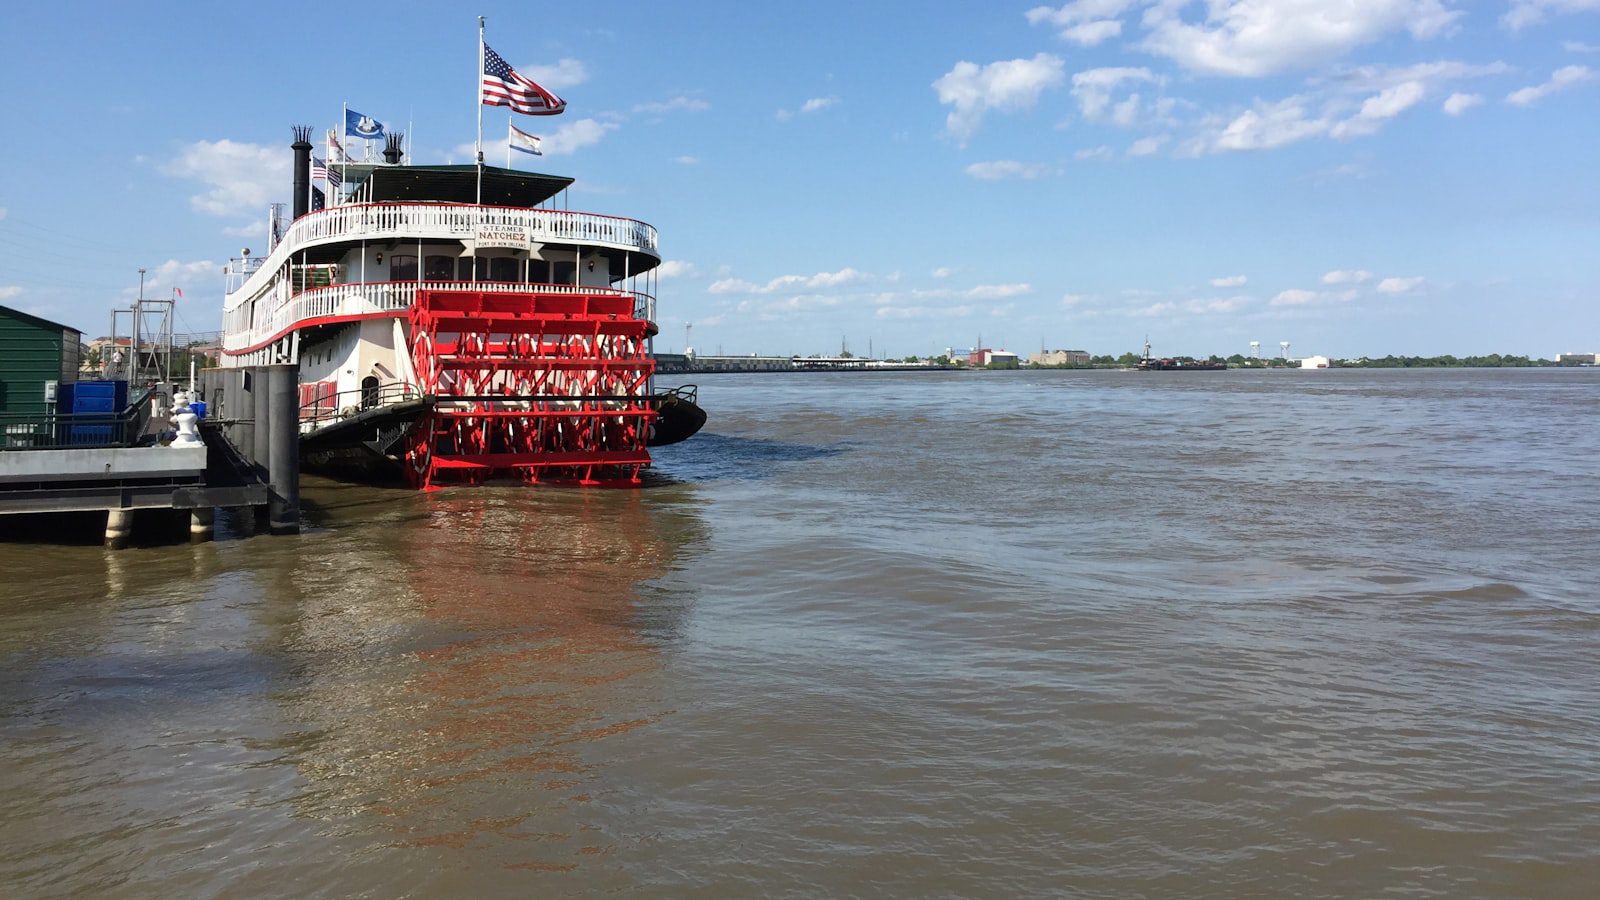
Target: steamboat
450,326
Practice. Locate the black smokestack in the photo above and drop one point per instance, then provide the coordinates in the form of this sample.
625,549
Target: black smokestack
302,169
391,148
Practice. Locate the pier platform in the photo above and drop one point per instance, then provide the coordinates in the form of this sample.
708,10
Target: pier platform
119,464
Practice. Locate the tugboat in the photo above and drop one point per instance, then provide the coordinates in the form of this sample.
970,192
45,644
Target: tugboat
1147,363
449,325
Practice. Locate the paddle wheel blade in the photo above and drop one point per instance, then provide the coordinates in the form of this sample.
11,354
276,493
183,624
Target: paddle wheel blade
538,386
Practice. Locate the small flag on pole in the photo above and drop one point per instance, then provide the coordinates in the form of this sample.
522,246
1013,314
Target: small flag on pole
320,169
502,86
336,149
527,143
365,127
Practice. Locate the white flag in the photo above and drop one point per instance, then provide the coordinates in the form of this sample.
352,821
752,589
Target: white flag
521,140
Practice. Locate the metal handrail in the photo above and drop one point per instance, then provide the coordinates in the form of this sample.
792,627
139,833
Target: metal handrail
329,408
389,220
376,298
688,392
75,431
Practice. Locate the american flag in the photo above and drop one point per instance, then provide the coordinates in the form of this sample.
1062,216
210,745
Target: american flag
320,169
502,86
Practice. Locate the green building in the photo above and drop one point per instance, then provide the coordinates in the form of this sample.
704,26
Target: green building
35,356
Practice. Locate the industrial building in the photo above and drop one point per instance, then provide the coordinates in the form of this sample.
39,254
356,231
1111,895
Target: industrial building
983,356
1060,358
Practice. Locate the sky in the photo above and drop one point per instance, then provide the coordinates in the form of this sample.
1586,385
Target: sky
1357,178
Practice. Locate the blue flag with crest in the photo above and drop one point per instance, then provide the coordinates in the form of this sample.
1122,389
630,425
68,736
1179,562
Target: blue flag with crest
365,127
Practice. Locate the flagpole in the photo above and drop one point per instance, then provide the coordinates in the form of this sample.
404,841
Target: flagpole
343,156
477,96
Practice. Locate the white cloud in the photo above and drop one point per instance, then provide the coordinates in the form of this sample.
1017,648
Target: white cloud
1251,38
685,160
1093,87
924,312
1432,75
1560,79
786,307
1531,12
199,278
943,272
1068,301
972,90
563,74
7,291
1458,103
1347,276
844,276
574,136
239,177
248,230
1579,47
1266,126
2,212
733,286
1007,168
1100,152
1294,297
1090,33
676,268
1229,281
675,104
1126,112
1147,146
1085,22
1380,108
818,104
1398,285
1154,309
1218,305
998,291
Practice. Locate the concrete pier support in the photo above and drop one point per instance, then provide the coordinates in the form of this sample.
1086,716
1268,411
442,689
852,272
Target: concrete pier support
260,446
283,463
119,528
242,409
201,525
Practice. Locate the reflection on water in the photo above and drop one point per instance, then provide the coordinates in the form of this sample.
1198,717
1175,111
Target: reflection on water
1093,633
413,672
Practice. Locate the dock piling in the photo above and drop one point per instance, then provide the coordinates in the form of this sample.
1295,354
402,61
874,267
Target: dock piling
119,528
283,463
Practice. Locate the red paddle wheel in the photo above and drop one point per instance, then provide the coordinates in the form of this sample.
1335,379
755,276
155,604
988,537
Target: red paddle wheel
535,385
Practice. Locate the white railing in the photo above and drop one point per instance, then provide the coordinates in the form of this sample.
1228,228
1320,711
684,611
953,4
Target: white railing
425,221
343,301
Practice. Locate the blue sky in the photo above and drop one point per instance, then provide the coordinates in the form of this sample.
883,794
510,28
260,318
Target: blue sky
1364,177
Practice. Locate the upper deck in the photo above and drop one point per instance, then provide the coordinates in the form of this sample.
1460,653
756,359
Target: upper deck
434,221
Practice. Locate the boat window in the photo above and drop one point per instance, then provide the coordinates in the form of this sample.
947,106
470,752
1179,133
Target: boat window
505,268
402,268
464,268
441,268
538,271
561,273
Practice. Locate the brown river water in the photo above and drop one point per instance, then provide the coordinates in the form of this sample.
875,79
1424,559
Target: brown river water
982,634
